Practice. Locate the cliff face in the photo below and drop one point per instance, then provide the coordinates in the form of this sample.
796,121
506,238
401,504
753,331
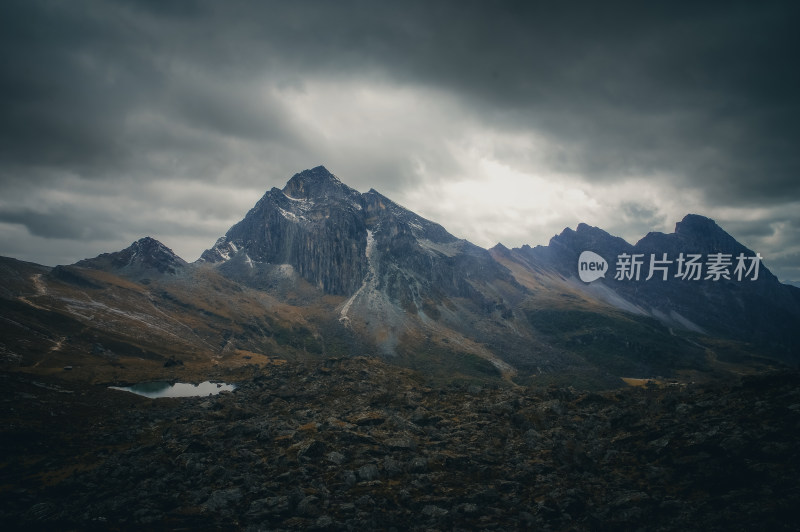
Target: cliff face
315,224
323,228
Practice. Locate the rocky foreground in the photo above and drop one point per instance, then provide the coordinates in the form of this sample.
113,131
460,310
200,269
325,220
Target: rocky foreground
354,444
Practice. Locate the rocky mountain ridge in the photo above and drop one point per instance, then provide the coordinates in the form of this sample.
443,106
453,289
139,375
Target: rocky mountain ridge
755,308
318,268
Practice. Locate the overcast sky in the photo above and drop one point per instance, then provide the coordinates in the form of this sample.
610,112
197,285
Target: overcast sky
503,121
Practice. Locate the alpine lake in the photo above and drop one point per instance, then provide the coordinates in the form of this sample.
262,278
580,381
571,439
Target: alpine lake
158,389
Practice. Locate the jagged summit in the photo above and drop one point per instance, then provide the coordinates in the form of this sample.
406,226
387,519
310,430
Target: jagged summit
320,227
705,231
500,248
317,183
696,223
564,248
695,234
145,255
314,227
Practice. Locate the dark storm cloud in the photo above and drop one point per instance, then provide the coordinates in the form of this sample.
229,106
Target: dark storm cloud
78,78
66,85
704,90
64,225
703,93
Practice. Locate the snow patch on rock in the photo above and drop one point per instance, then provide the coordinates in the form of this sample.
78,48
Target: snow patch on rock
370,279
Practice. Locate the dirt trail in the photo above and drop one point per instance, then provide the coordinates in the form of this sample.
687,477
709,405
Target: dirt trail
41,290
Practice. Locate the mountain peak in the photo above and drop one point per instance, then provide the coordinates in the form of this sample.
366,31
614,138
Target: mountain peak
150,244
587,237
145,254
696,223
316,183
704,232
500,248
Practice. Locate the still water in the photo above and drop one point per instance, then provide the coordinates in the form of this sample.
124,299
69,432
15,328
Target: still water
155,390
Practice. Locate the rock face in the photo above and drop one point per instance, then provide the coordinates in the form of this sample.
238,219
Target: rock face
327,232
396,266
315,224
420,264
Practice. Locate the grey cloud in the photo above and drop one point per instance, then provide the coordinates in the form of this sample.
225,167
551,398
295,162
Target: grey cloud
59,225
636,214
65,88
749,230
230,109
787,267
774,235
77,77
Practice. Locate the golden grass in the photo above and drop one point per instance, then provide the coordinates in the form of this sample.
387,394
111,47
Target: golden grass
641,383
